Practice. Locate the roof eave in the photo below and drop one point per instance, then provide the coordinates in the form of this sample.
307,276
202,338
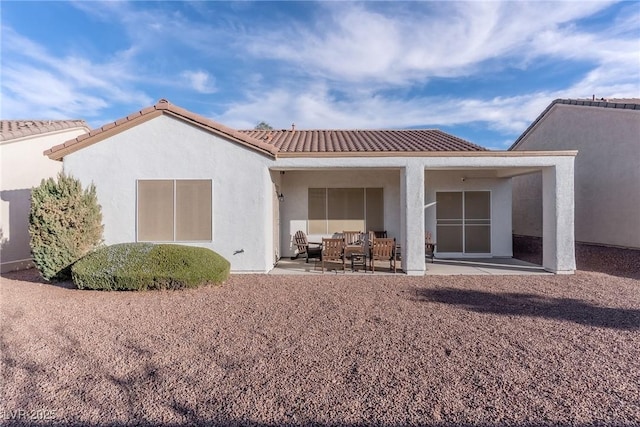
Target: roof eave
483,153
163,107
573,102
223,131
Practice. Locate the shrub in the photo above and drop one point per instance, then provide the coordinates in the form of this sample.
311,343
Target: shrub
142,266
65,223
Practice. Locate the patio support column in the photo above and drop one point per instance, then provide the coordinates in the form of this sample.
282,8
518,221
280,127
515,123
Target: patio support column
412,217
558,238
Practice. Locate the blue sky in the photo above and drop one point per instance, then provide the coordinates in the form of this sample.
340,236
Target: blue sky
479,70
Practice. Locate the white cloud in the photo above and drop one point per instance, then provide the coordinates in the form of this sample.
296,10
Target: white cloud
356,65
362,52
36,83
33,93
358,43
316,108
200,81
157,26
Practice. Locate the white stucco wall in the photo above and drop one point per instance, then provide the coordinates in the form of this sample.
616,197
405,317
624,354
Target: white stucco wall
168,148
23,166
607,173
295,185
527,205
500,189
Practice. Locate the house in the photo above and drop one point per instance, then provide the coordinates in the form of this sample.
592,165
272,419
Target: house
607,170
24,167
165,174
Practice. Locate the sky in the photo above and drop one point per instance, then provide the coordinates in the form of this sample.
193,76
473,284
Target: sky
482,71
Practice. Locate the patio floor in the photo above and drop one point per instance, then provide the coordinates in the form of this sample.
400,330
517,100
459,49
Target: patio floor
442,267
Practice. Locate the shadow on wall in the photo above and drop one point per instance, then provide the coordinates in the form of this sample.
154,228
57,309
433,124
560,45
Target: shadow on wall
520,304
15,227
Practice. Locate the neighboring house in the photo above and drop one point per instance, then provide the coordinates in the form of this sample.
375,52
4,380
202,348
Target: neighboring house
607,169
165,174
24,167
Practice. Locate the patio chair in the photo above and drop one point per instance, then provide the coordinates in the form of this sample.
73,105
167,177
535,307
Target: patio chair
333,250
370,237
380,234
429,247
354,242
309,249
383,249
352,237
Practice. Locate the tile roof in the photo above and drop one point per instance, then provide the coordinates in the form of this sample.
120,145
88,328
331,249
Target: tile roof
272,142
364,141
13,129
617,103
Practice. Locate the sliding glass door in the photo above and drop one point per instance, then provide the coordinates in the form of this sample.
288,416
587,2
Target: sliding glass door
463,222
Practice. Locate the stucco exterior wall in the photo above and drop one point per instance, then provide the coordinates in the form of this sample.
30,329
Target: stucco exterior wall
295,185
23,166
607,173
500,189
168,148
527,205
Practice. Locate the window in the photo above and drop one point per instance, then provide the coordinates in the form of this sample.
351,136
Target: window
174,210
333,210
463,221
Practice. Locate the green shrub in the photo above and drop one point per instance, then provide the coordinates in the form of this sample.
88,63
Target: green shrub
141,266
65,223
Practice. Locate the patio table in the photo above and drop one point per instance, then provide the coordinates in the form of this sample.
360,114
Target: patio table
358,259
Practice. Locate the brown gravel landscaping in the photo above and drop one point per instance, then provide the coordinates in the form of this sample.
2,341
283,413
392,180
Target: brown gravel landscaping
330,350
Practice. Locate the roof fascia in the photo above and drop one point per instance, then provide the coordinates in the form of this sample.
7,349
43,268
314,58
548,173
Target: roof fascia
571,153
533,125
43,134
618,106
268,150
59,151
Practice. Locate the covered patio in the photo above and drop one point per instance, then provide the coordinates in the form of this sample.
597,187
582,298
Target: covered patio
464,198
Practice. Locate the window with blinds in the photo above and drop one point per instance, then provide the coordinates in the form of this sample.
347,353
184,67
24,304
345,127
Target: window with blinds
174,210
333,210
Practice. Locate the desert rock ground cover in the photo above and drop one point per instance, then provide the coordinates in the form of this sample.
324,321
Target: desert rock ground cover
329,350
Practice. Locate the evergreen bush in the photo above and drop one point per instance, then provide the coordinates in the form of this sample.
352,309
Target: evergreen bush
142,266
65,223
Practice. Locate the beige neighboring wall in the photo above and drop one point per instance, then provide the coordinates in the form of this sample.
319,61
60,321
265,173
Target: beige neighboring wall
607,170
24,166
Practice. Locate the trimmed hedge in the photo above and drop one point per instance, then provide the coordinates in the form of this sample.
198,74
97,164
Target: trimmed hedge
142,266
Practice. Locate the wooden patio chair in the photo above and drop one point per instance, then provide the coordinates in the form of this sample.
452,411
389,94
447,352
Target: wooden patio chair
333,250
354,242
309,249
383,249
370,237
429,247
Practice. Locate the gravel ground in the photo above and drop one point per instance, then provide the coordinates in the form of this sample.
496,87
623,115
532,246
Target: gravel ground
329,350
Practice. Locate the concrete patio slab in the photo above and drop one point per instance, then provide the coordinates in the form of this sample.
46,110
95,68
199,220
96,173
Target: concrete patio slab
439,267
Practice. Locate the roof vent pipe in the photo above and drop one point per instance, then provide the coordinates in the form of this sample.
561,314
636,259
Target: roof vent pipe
293,127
